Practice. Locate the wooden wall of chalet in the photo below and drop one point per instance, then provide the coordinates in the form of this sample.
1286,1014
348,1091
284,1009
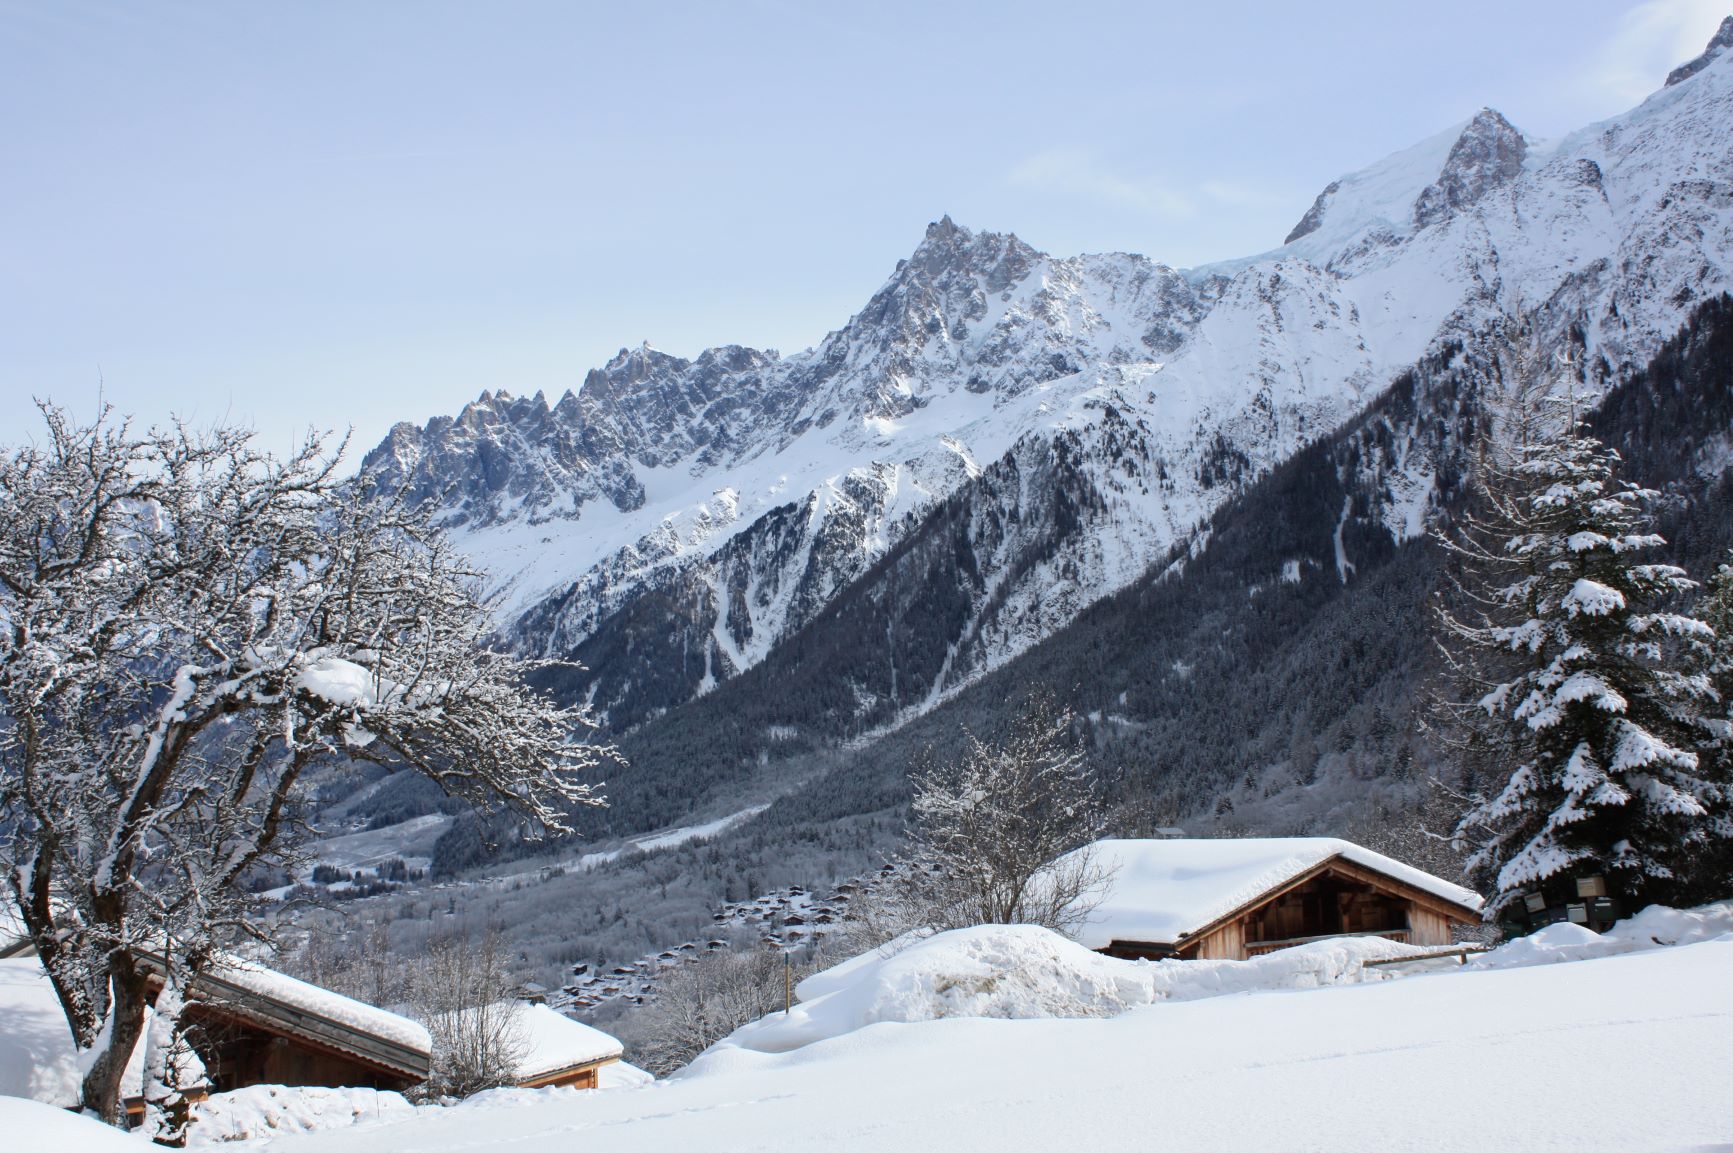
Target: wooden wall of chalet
1426,927
1226,943
237,1053
1339,898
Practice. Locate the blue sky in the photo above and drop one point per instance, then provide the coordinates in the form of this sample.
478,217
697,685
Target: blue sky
341,214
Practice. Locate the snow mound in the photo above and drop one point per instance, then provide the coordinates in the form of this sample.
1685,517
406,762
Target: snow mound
613,1075
261,1112
35,1126
1021,972
1656,927
622,1075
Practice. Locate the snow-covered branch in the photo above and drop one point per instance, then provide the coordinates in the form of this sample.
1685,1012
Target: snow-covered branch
189,626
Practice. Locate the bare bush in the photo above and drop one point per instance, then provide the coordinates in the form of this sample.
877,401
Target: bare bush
464,992
1000,837
708,998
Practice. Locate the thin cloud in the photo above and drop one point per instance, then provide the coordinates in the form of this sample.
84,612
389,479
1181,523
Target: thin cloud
1651,40
1081,175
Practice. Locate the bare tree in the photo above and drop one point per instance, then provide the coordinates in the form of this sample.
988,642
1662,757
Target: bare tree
1000,834
708,998
186,626
465,993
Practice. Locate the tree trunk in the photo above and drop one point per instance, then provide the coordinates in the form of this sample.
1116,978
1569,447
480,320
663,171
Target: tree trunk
103,1083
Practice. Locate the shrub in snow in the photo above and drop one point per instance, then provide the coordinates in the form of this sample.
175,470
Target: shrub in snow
1592,690
463,993
708,998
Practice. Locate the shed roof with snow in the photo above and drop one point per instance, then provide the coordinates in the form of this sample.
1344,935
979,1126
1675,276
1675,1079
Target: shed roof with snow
559,1050
1176,896
247,1025
555,1049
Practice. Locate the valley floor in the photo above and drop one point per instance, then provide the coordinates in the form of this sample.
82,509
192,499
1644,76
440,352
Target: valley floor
1620,1053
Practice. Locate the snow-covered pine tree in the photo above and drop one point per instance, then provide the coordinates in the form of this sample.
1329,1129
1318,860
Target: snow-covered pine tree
1595,691
1716,610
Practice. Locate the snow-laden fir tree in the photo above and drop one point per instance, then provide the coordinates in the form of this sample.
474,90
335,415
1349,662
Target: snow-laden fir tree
1716,610
1593,687
187,628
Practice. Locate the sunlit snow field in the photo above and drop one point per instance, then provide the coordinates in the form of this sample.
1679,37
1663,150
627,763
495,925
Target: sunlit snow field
1625,1052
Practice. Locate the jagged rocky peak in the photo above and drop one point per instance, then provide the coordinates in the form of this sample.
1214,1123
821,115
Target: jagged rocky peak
998,260
1314,217
628,373
1488,155
496,406
1719,43
938,294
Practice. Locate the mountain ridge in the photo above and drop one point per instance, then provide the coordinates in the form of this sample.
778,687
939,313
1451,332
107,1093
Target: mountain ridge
708,509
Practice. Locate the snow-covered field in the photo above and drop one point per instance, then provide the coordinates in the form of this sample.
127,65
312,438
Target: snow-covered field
1563,1041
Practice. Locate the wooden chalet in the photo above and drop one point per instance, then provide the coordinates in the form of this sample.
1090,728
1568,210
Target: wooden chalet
254,1026
1236,898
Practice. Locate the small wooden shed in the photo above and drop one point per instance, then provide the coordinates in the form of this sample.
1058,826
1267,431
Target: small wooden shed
252,1025
1243,897
559,1051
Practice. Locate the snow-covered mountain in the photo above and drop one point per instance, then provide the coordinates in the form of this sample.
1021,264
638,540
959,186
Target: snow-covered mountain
1079,416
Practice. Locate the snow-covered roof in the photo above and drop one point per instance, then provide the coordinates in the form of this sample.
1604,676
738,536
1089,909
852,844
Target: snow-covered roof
254,991
358,1016
553,1042
1160,891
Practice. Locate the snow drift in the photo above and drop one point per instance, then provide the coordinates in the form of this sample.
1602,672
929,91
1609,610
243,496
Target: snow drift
1022,972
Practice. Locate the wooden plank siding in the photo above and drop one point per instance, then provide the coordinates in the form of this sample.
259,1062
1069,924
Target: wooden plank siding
1427,926
1226,942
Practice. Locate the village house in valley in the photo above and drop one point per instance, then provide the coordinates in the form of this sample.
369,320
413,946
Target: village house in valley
1238,898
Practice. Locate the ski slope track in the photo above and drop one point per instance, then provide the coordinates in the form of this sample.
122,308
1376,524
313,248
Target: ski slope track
714,506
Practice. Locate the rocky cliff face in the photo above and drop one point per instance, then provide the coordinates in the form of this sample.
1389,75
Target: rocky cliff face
1488,155
672,521
1719,43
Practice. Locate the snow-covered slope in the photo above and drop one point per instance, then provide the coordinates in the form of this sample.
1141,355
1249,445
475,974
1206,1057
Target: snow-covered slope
1624,1053
705,510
